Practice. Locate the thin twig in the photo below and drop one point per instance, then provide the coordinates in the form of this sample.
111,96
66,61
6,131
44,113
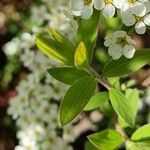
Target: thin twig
100,79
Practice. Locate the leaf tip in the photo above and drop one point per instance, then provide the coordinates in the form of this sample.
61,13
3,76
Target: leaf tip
62,121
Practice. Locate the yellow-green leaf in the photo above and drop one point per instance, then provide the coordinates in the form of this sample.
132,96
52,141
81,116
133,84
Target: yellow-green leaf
132,97
80,57
106,140
137,145
97,100
58,47
142,134
122,107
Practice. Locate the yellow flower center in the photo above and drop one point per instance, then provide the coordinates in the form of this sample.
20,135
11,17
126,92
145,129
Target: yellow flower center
122,41
108,1
87,2
132,1
138,19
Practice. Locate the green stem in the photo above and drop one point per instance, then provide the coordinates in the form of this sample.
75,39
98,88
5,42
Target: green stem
100,79
121,131
107,85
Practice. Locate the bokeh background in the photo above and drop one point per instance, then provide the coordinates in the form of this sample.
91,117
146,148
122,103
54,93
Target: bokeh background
29,97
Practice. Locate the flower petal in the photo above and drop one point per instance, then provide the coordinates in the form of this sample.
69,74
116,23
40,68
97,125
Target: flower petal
128,19
115,51
139,9
108,40
109,11
128,51
68,14
147,4
118,3
126,8
99,4
147,19
77,5
87,12
140,27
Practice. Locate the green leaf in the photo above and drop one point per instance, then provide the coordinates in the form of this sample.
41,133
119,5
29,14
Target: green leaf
76,99
132,97
89,146
67,75
80,57
106,109
124,66
140,139
87,33
59,48
142,134
137,145
106,140
122,107
97,100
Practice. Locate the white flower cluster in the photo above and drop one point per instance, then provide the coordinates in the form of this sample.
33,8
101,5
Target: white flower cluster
36,115
35,108
32,109
132,12
136,12
85,7
108,7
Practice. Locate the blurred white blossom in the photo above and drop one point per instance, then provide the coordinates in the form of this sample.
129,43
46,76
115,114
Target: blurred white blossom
35,108
12,47
39,14
27,41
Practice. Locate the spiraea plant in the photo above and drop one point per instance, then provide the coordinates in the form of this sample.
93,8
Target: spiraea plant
76,69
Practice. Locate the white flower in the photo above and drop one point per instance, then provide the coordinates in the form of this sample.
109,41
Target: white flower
25,119
48,113
17,106
27,138
119,44
140,22
57,20
136,6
